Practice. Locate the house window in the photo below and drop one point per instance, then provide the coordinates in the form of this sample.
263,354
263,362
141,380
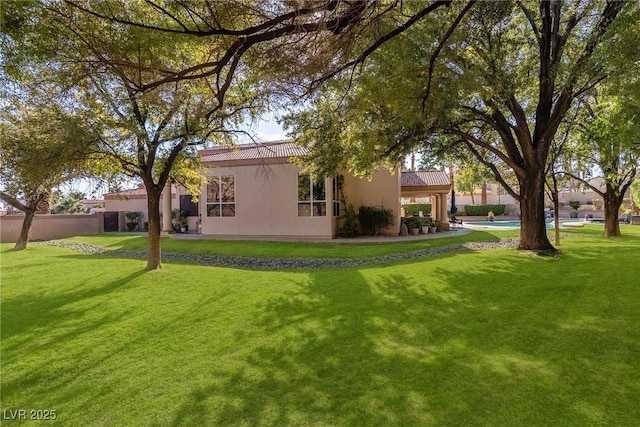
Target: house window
221,196
312,199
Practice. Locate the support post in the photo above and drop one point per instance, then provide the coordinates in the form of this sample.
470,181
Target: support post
166,209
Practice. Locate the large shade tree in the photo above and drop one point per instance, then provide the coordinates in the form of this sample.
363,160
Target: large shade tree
161,77
501,76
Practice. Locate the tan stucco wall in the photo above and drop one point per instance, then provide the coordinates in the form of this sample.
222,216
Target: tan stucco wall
382,190
127,205
266,200
45,227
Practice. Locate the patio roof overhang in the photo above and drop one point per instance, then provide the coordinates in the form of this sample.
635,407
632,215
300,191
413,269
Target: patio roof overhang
424,183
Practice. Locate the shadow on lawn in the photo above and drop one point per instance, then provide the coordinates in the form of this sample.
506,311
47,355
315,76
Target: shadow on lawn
48,311
503,344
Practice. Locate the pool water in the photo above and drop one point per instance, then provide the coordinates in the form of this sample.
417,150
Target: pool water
500,224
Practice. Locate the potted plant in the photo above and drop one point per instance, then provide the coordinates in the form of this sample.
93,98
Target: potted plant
425,225
179,220
413,224
433,226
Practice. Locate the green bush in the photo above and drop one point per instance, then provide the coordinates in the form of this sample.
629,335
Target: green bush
351,227
574,204
483,210
374,219
416,222
412,209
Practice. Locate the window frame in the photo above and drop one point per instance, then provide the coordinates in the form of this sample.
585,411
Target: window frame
311,201
222,202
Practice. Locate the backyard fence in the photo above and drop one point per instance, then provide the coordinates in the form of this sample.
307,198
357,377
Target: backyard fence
46,227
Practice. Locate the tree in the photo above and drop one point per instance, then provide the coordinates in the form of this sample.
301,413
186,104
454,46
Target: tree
635,195
498,75
608,141
161,78
468,180
42,146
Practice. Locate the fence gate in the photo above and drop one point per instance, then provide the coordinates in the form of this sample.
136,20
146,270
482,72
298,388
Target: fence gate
111,221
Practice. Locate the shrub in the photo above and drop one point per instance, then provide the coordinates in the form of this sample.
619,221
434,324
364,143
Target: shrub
575,204
374,219
351,227
134,219
483,210
412,209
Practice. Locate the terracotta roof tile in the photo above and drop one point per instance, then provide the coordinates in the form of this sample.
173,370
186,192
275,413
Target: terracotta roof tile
271,150
424,178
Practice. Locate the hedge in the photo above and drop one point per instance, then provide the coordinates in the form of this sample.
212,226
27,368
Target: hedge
483,210
412,209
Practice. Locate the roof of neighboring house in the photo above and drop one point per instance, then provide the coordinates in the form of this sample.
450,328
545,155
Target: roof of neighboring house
424,178
252,152
135,193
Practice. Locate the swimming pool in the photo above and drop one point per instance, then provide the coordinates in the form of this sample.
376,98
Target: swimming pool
507,225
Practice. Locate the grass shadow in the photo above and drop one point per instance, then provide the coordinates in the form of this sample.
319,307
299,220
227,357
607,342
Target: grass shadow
462,343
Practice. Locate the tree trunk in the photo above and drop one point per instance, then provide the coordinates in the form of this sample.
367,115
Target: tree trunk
483,194
612,205
533,229
154,255
23,239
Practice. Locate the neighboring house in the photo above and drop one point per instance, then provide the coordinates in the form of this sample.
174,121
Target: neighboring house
92,205
255,190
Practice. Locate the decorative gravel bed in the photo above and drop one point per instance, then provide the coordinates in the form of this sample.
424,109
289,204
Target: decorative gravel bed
285,263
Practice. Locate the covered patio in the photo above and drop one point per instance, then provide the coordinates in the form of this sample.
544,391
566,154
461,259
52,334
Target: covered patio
433,185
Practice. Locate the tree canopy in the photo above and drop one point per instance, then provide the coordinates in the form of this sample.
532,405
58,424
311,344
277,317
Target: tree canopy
499,77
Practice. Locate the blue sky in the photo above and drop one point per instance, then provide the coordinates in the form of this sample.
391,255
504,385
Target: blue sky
267,129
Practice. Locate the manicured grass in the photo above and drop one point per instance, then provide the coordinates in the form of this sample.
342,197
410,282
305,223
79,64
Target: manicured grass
496,337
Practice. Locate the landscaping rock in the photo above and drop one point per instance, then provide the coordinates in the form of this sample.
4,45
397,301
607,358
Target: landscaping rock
285,263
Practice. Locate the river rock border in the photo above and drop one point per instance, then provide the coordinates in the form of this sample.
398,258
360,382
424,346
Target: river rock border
284,263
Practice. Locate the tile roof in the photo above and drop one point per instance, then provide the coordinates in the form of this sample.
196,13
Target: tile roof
270,150
424,178
140,191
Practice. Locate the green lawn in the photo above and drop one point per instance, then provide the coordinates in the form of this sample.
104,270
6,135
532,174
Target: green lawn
491,338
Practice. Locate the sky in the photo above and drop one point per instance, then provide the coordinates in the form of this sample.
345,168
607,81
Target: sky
265,130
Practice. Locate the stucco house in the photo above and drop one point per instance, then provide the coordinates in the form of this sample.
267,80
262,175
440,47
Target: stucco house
255,190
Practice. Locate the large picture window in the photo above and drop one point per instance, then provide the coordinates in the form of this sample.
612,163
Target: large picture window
312,199
221,198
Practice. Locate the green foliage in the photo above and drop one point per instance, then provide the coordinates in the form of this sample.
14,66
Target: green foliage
68,205
483,210
575,204
133,216
374,219
417,222
411,209
635,193
351,226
